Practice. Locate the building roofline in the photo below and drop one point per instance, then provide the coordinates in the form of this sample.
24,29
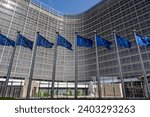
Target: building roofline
56,12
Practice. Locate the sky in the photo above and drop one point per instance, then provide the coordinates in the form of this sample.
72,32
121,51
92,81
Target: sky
70,6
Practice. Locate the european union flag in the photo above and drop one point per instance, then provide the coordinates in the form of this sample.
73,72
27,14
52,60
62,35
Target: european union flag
148,40
41,41
23,41
123,42
103,42
5,41
83,42
64,42
142,41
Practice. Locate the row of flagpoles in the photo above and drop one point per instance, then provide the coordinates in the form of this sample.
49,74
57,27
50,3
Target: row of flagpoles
80,42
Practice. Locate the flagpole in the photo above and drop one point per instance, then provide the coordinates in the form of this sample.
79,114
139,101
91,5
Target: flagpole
97,68
76,68
143,69
120,68
54,67
32,68
10,67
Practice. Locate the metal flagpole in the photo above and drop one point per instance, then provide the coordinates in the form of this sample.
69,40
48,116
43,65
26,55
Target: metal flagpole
97,68
120,69
54,67
143,70
9,68
32,68
76,68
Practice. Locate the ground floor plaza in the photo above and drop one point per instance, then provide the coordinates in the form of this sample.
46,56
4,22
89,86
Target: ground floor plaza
17,88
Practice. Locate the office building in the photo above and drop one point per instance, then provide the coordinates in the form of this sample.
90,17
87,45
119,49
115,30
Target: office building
28,17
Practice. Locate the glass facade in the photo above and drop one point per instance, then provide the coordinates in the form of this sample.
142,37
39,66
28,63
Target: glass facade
108,15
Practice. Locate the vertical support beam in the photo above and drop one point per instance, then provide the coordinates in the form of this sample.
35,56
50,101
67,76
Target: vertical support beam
132,88
104,86
57,88
48,87
113,87
67,87
1,88
39,88
20,89
85,88
10,88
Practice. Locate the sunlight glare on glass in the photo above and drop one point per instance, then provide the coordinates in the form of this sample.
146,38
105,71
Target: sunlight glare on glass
9,4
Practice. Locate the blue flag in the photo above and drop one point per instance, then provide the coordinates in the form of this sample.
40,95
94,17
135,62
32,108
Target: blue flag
64,42
103,42
148,40
23,41
142,41
41,41
123,42
83,42
5,41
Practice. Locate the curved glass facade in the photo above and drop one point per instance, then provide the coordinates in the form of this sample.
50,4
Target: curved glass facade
121,15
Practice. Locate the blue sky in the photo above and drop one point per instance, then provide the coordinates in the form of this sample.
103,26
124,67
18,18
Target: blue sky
70,6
